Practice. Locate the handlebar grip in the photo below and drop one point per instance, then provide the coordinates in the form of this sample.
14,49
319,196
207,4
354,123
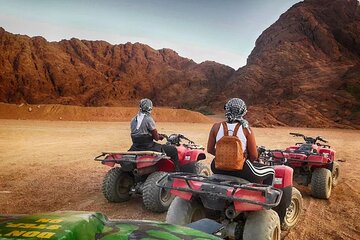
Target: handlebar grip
321,139
183,137
296,134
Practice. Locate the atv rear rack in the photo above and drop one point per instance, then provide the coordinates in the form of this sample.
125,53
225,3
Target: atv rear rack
152,153
272,195
302,161
285,159
130,156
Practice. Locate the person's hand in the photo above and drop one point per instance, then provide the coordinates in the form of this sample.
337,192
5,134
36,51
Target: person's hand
161,137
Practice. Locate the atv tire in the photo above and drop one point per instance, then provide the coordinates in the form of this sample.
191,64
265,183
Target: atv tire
335,173
156,199
321,183
293,211
182,212
116,185
202,169
262,225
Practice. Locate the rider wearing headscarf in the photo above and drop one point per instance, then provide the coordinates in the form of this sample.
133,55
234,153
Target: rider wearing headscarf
235,110
144,132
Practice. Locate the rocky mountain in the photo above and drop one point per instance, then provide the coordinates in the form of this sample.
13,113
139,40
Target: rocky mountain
303,71
96,73
305,68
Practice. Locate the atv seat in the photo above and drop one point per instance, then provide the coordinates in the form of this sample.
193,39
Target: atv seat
227,178
255,173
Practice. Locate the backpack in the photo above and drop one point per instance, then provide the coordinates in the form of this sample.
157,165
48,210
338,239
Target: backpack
229,153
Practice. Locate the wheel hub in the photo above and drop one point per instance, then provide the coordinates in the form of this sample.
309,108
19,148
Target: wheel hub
165,195
335,174
124,185
292,211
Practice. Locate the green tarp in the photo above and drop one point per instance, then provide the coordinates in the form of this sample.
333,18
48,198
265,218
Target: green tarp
90,225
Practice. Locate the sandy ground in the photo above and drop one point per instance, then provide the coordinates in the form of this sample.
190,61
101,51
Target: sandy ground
48,166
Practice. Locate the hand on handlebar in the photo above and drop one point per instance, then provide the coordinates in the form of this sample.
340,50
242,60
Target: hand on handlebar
162,136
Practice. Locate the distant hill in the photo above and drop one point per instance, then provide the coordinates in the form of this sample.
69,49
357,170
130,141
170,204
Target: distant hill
77,113
303,71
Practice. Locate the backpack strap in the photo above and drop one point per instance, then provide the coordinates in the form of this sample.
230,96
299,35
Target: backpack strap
226,130
236,129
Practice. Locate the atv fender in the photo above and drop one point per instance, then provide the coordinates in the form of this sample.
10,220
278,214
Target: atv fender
283,176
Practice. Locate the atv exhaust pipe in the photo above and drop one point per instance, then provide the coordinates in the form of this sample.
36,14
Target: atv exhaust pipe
144,171
230,213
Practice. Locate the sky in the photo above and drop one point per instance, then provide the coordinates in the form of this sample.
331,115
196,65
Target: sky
224,31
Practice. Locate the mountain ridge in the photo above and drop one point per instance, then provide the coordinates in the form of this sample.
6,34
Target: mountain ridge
303,71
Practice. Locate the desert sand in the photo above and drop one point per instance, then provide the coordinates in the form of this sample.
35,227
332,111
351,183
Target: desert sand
48,166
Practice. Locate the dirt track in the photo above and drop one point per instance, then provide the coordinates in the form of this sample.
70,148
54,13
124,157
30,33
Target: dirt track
47,166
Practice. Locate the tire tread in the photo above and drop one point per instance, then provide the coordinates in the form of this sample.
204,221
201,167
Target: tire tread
319,186
109,186
151,193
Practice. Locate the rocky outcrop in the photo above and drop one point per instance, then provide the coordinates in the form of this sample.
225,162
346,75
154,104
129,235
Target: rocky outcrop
304,68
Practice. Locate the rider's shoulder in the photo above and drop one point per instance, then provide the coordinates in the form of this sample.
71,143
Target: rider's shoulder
216,126
248,131
148,116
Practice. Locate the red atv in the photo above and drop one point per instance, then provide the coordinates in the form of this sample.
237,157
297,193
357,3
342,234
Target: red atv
244,210
136,172
313,163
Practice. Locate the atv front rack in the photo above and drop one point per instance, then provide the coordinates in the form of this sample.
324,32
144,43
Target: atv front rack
193,146
130,156
272,195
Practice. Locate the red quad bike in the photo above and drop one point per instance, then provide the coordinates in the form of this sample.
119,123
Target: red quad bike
136,172
313,164
241,209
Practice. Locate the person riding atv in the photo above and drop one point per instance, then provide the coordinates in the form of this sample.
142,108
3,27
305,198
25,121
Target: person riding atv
249,202
245,150
144,132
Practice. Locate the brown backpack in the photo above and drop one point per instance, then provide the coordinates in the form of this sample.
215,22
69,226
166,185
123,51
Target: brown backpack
229,153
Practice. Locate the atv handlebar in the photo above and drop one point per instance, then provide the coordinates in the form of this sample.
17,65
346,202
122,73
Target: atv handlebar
321,139
164,136
175,139
309,140
297,134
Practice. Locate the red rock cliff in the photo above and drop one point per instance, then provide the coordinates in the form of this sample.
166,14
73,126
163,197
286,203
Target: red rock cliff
304,69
